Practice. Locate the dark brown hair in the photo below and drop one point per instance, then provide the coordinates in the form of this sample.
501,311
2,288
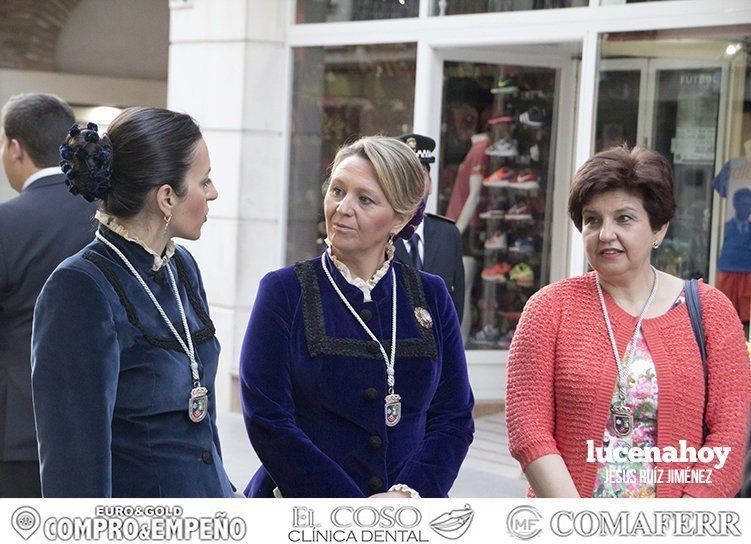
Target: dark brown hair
149,147
39,122
640,171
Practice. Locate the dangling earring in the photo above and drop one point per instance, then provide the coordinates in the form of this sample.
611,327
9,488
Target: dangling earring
167,219
390,244
655,244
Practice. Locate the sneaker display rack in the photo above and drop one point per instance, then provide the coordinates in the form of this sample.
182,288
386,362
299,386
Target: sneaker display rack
508,238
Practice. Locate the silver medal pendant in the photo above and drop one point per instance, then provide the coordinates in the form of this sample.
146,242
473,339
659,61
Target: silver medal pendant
623,420
393,409
198,404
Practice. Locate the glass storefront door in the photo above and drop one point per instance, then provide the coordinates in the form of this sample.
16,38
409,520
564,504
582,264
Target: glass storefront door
499,145
672,106
685,124
687,94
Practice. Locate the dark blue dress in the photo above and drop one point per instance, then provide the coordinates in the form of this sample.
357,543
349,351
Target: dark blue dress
111,383
313,386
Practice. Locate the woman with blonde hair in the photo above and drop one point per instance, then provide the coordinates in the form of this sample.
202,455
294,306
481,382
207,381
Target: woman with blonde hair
353,375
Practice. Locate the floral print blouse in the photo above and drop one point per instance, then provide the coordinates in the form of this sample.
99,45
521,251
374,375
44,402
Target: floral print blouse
617,480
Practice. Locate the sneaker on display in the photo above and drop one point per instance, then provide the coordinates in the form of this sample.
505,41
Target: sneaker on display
505,147
487,336
519,212
497,241
534,153
522,275
496,273
533,117
493,213
526,179
506,85
500,178
523,244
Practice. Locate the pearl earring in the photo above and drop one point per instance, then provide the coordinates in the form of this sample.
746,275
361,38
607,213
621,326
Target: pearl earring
167,219
655,244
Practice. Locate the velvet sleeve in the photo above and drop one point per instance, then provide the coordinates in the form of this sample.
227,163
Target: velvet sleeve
297,466
449,427
530,397
728,403
75,365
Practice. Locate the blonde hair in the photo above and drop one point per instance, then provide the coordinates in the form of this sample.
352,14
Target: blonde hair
398,170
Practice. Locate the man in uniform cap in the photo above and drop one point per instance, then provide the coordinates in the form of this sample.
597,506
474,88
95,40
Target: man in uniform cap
436,246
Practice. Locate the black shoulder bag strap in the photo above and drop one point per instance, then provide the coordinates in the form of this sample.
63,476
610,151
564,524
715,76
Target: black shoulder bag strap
693,303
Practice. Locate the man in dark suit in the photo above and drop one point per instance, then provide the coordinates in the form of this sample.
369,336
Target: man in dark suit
38,229
436,246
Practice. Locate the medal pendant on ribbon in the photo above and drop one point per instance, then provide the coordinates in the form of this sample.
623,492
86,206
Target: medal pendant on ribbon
393,409
623,420
198,404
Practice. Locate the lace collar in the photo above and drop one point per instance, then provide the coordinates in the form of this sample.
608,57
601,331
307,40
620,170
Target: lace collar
111,223
366,286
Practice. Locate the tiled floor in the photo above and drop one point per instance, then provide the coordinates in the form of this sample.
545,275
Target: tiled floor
488,470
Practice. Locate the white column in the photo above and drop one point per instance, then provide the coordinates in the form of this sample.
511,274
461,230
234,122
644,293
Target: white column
585,128
228,69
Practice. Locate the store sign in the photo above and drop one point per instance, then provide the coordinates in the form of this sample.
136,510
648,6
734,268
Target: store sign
696,120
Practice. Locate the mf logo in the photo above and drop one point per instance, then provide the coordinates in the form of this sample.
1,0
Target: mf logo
524,522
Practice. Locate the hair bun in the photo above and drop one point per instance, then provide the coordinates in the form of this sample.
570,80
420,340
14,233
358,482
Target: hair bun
86,162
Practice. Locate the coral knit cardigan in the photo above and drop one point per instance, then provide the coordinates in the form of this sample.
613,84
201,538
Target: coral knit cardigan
561,376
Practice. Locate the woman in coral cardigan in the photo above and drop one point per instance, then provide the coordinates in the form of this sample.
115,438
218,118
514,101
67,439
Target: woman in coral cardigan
601,362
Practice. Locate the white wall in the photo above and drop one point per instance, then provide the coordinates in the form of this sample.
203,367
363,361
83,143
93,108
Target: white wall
228,69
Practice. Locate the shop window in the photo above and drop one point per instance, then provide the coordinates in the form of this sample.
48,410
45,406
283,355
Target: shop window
460,7
687,94
339,94
496,182
328,11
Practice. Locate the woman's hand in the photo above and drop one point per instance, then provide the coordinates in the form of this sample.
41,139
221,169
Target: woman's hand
391,495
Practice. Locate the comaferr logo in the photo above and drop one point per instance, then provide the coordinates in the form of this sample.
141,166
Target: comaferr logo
524,522
637,523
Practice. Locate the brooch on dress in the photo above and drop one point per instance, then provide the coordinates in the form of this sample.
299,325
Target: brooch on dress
423,318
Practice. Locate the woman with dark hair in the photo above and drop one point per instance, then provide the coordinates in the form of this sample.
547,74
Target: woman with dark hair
353,376
605,367
123,350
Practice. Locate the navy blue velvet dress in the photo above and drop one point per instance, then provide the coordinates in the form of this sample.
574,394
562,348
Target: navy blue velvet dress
313,386
111,383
